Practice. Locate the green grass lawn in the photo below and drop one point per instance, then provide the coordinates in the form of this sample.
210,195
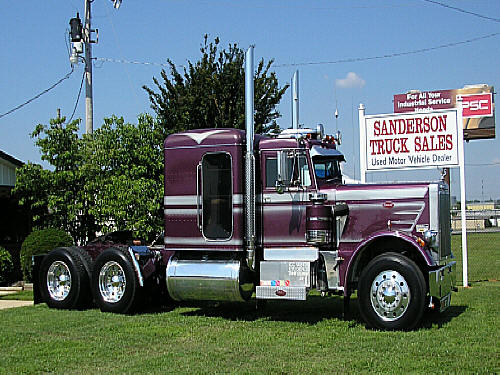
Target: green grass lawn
284,338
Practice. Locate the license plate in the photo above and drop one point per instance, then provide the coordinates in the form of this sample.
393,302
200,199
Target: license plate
444,303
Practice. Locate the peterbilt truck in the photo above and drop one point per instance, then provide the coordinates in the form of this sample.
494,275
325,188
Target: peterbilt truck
256,217
279,228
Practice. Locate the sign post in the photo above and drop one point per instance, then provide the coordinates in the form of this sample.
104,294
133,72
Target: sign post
461,156
362,141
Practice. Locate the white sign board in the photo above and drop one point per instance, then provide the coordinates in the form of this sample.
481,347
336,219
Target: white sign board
410,140
415,140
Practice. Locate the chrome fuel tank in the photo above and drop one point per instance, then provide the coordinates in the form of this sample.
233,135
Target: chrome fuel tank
208,280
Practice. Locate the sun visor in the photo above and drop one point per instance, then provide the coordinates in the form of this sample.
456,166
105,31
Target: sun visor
317,151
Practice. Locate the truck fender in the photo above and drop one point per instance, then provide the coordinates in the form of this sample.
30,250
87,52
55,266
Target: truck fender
357,255
133,250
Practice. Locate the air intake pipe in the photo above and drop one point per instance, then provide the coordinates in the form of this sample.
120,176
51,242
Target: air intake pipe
249,160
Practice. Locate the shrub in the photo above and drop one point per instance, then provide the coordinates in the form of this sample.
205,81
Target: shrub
41,242
6,267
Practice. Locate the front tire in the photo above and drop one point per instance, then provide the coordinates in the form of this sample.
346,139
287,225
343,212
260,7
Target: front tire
64,281
114,283
392,293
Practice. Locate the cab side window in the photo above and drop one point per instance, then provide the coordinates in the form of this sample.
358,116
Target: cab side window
294,172
271,172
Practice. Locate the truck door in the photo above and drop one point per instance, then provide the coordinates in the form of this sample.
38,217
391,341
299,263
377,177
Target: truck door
284,198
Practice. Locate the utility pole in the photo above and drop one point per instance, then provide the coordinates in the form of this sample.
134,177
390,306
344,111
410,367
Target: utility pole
59,117
446,176
89,102
83,35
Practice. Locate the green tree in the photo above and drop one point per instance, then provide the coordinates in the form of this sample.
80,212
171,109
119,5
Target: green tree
57,196
210,93
124,168
112,180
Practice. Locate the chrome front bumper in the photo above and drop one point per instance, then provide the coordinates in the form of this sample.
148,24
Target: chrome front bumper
442,281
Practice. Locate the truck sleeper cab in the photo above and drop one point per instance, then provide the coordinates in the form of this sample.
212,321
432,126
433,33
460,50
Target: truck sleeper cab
391,242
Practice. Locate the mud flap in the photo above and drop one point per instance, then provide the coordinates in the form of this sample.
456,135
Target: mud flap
35,276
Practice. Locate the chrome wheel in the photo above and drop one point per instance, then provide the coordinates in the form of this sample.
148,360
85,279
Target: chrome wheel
58,281
112,282
389,295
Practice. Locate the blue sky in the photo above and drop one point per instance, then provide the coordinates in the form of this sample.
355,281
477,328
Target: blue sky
34,56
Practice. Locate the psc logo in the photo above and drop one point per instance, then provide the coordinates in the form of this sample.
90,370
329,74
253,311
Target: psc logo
477,105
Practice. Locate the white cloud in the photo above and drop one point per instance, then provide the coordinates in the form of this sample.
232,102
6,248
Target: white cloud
351,81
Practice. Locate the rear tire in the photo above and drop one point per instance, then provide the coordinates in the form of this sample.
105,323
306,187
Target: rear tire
114,282
64,281
392,293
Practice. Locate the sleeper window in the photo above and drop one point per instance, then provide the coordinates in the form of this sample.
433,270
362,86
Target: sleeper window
217,199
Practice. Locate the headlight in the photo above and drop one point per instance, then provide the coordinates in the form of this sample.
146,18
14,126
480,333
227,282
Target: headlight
430,238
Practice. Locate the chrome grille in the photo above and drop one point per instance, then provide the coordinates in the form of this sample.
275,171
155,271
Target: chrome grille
444,221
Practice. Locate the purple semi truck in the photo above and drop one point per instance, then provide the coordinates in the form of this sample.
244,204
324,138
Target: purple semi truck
269,216
292,226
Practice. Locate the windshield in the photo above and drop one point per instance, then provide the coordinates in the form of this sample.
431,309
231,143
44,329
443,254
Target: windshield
327,169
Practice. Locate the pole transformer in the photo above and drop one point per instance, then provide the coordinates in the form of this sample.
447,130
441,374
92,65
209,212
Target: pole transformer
82,36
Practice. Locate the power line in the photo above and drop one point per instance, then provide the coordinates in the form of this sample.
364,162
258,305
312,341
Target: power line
122,61
348,60
38,95
77,98
482,164
391,55
462,10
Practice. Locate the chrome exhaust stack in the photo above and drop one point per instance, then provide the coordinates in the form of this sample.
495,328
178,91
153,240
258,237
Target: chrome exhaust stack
295,100
249,160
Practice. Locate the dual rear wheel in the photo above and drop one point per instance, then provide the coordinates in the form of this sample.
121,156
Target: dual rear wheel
69,279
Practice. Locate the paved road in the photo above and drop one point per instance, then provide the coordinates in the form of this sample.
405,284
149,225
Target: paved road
8,304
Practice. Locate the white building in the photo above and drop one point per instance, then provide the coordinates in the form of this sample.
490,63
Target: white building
8,166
